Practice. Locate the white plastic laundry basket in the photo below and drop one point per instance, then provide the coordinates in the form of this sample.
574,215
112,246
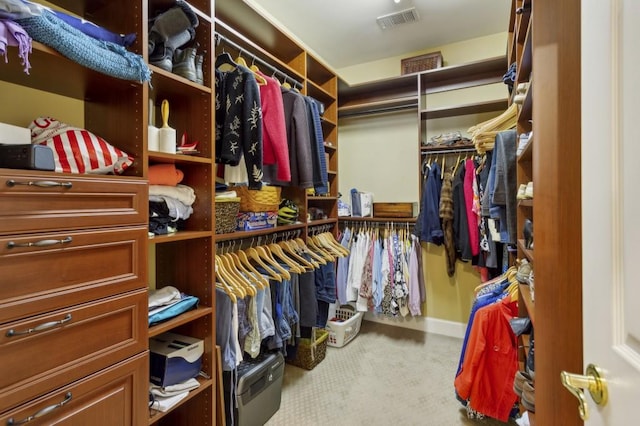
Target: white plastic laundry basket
345,327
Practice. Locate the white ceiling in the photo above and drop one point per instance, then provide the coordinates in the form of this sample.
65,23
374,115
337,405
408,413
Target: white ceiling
345,32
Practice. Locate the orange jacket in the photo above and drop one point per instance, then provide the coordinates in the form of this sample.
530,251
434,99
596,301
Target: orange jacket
490,362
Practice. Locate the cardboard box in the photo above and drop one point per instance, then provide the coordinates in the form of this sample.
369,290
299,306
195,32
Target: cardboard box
14,135
174,358
252,221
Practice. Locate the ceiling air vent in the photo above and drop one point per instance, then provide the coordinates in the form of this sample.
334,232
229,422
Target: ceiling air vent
406,16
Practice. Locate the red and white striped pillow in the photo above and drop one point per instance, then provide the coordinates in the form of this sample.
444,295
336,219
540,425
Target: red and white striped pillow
77,150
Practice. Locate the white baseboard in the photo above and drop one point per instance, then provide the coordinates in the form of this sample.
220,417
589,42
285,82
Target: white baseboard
426,324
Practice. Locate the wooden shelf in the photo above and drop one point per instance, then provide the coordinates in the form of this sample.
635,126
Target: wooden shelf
525,203
179,236
319,222
163,157
528,253
237,235
378,219
183,318
378,106
525,294
526,156
465,109
205,384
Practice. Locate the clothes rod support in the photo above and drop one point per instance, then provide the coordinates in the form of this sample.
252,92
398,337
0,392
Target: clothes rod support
287,78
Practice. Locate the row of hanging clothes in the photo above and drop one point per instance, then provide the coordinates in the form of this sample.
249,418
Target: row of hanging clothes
468,205
266,131
267,291
383,272
269,295
489,356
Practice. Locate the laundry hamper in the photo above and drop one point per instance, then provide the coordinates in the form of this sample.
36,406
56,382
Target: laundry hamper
312,351
345,328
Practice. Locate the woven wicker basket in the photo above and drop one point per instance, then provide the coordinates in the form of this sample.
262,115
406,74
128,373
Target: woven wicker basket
311,353
226,212
266,199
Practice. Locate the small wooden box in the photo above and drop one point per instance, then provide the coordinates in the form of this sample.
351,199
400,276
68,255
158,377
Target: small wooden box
399,210
421,63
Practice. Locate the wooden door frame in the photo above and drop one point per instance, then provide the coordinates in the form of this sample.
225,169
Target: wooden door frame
557,207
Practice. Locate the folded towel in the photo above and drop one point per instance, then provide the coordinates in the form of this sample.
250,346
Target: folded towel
165,174
183,193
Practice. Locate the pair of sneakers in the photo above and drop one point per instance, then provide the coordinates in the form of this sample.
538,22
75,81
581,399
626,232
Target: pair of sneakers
525,191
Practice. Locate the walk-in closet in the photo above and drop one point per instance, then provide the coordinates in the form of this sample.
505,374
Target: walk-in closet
273,212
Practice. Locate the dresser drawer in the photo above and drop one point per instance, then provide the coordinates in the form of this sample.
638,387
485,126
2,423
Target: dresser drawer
69,268
114,396
35,202
42,353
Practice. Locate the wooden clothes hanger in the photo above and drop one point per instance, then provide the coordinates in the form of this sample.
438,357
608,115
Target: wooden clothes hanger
305,249
225,63
289,249
259,79
226,280
266,254
254,280
277,251
242,256
332,243
315,245
253,254
240,278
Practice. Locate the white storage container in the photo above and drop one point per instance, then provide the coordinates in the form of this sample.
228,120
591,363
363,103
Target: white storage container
344,331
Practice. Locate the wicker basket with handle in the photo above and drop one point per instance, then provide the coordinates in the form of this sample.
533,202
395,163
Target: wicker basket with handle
266,199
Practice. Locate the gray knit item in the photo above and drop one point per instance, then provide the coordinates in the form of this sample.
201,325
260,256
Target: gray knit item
102,56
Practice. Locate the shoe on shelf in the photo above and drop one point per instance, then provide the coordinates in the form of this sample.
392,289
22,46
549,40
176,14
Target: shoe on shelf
528,193
199,71
184,63
522,189
522,87
527,233
519,380
524,271
528,398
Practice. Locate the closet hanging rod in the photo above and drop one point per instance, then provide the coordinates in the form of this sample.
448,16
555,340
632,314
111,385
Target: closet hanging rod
448,151
287,78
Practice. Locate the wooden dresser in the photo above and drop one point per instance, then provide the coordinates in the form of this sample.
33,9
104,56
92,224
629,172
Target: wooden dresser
73,299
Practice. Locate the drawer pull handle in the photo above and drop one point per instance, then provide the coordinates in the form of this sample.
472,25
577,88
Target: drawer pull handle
41,243
43,412
38,328
40,183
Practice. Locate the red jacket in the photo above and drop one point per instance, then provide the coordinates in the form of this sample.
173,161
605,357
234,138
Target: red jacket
490,362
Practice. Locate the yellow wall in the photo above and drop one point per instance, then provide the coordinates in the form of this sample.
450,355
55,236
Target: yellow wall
379,154
27,104
452,54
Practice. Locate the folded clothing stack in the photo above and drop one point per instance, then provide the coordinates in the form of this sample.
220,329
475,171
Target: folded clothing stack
168,302
170,203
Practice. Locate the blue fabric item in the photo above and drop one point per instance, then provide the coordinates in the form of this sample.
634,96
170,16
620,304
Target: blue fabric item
321,187
95,31
355,203
101,56
343,269
495,294
326,283
431,226
185,304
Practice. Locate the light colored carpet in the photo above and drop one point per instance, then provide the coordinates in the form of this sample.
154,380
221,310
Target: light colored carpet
386,375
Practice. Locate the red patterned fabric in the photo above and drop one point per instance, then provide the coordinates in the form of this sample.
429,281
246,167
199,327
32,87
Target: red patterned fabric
77,150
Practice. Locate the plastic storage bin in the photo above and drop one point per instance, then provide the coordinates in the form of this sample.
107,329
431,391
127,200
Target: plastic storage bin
343,331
